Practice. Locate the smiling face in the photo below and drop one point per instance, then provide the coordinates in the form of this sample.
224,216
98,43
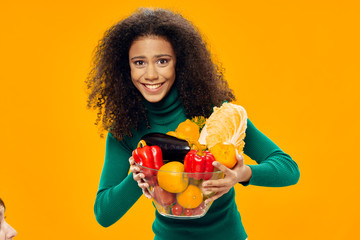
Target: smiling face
6,231
152,63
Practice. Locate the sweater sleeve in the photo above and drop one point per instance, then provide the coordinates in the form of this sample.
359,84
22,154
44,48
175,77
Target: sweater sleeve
275,168
117,189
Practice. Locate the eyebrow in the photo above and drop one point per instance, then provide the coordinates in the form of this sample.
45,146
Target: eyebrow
156,56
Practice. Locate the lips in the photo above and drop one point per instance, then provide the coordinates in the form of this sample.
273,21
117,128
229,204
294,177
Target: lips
153,86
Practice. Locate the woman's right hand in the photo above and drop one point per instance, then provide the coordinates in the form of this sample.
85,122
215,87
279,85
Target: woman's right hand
139,178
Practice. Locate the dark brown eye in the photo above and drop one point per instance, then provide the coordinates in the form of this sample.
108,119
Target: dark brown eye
139,62
163,61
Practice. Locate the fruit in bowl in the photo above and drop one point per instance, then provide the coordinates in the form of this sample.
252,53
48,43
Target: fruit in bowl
176,164
171,178
179,194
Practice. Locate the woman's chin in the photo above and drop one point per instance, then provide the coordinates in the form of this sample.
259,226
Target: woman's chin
154,98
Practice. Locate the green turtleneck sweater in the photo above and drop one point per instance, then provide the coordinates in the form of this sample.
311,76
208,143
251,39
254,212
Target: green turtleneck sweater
118,191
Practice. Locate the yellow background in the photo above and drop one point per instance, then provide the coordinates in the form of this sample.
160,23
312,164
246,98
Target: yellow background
294,66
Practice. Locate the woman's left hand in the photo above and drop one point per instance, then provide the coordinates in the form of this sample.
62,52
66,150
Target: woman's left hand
239,173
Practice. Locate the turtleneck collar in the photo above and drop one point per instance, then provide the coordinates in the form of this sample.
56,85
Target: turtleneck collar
161,112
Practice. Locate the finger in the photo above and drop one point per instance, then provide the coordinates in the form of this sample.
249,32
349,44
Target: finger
239,158
143,185
139,182
239,161
213,198
218,189
216,183
134,169
221,167
138,177
141,176
131,161
146,193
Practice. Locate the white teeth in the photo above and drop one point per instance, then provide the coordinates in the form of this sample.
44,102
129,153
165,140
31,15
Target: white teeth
153,86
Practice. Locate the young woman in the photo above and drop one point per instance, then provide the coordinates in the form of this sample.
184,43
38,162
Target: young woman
151,72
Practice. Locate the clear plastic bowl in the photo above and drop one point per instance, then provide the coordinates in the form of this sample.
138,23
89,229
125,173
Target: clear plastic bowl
179,195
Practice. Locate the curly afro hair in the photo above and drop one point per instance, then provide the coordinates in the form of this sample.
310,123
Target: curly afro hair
199,81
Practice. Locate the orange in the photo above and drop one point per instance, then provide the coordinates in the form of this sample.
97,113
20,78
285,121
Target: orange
225,154
188,130
192,197
171,177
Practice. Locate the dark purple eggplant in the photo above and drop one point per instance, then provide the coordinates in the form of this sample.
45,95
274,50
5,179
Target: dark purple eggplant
173,148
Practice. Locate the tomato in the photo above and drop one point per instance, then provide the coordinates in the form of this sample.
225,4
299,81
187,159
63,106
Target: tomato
177,209
199,210
188,212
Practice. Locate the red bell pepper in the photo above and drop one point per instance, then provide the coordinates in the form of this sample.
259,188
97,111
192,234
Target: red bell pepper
198,162
158,158
149,157
209,168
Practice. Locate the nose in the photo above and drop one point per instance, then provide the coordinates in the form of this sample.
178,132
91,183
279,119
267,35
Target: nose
151,72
